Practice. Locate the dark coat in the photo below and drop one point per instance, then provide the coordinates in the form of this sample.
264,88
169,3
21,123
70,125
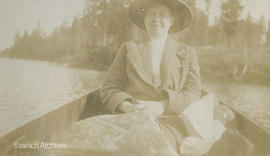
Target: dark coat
131,77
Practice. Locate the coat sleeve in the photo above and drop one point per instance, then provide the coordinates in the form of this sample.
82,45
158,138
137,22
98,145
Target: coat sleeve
112,91
180,99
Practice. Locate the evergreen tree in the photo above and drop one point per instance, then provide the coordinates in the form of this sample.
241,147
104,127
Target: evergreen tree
197,33
107,22
230,18
268,36
17,38
260,31
253,32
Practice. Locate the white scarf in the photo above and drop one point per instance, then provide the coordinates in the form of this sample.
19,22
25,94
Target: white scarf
156,52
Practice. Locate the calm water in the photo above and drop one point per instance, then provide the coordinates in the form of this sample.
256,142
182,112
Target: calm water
30,88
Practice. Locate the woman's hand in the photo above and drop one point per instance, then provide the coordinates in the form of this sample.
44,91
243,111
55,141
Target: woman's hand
192,146
127,107
156,107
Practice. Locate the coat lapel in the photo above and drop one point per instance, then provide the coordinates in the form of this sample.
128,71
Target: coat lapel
173,64
173,59
140,60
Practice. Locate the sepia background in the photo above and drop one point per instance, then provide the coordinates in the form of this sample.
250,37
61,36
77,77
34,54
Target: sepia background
68,41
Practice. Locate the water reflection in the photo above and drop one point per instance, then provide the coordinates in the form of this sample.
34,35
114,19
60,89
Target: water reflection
30,88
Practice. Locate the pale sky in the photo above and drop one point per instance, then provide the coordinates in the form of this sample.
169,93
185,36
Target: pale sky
256,8
18,15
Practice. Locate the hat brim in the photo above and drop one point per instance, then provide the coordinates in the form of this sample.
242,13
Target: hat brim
180,9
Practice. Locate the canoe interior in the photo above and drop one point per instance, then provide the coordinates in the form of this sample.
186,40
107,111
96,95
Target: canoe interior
42,128
249,128
254,132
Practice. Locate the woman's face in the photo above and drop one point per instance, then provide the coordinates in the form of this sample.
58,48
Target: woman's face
158,20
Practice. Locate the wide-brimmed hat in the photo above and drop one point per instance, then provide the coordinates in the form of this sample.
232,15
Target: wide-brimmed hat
182,12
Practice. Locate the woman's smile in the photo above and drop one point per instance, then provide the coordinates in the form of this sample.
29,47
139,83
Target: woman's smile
158,20
156,25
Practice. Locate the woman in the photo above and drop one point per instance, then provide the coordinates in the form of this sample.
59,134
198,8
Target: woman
160,74
159,69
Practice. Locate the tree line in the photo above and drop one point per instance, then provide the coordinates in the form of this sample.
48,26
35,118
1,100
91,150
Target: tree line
95,36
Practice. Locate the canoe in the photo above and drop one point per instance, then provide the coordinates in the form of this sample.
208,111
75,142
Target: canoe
90,105
251,129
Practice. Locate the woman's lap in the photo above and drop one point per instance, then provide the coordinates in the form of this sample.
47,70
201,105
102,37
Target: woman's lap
231,142
174,130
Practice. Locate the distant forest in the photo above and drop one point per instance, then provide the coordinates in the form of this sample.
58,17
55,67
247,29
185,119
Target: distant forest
93,39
